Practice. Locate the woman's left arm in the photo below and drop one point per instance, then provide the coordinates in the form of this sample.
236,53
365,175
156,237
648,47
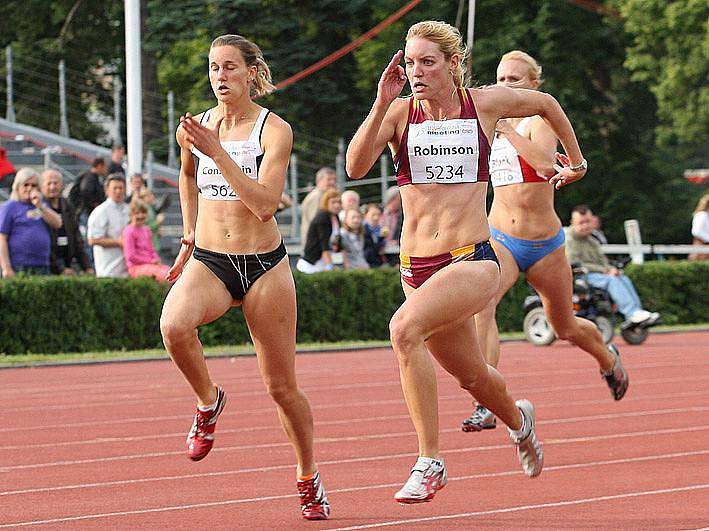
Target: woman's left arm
262,196
503,102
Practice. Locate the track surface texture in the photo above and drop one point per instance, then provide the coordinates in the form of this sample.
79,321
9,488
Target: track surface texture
103,446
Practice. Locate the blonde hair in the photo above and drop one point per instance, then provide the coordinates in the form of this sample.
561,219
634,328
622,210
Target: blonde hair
703,204
535,69
261,84
138,206
449,41
21,177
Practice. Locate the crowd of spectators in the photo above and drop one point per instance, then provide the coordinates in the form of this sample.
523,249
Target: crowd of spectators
92,227
339,232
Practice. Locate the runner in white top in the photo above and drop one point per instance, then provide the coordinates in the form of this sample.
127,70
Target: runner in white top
232,175
528,237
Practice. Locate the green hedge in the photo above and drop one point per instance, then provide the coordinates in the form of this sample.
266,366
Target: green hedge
61,314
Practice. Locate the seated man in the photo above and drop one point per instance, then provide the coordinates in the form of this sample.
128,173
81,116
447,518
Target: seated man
582,249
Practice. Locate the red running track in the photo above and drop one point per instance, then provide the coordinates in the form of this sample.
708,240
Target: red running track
102,446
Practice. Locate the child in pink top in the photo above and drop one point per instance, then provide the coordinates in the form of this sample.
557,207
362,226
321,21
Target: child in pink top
140,255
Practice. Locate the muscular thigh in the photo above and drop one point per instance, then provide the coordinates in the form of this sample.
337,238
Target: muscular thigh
453,295
552,278
198,297
270,312
456,349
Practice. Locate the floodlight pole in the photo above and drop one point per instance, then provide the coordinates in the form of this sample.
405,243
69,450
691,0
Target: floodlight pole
471,32
134,97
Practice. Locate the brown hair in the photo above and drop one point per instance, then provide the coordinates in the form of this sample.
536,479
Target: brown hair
138,206
261,84
449,41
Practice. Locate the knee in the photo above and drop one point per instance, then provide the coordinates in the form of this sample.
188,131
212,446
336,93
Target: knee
281,391
173,331
404,336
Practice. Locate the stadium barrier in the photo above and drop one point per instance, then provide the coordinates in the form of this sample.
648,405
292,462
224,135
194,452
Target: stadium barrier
83,314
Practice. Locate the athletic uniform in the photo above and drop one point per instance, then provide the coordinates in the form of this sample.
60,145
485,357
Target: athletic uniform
442,152
237,272
507,167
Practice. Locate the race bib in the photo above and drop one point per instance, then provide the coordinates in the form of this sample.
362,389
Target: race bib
444,152
504,164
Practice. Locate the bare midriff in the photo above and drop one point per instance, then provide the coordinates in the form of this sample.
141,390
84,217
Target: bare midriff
525,211
442,217
230,227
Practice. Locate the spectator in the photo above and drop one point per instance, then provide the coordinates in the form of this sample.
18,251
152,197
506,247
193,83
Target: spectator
352,233
88,193
374,240
25,222
117,164
141,257
106,224
597,233
700,227
582,249
154,221
325,179
392,215
350,200
136,185
323,237
68,254
7,170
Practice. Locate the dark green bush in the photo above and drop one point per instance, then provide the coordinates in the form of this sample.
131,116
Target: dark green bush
62,314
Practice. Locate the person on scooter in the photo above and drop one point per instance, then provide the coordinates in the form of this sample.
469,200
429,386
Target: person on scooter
583,249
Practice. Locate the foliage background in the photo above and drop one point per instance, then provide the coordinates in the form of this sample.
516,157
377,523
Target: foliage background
84,314
632,75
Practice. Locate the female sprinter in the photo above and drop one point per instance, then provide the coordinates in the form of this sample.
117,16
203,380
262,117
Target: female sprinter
440,138
234,159
528,235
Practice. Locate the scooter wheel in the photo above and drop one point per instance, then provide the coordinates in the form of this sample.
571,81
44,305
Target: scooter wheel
537,329
635,335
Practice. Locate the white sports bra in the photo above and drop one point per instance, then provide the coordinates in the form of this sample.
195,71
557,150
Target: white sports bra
246,153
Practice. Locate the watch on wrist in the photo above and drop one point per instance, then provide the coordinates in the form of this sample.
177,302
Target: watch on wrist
583,165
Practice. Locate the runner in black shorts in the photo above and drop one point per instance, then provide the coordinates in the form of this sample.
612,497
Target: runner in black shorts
234,159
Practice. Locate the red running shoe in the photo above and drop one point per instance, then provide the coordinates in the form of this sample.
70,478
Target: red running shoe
313,502
201,437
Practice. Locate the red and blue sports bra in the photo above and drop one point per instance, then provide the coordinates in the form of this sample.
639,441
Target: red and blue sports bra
442,151
507,167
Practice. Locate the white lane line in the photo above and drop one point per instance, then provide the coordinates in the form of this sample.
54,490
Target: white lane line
316,388
562,503
460,412
331,405
349,440
339,462
368,404
370,487
113,384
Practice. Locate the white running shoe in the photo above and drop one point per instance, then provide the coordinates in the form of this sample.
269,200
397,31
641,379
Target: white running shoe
427,477
529,449
481,419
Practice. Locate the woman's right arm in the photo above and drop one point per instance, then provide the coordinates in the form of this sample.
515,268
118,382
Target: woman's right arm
5,263
188,203
380,125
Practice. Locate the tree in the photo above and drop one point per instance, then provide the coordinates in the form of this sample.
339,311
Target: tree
669,52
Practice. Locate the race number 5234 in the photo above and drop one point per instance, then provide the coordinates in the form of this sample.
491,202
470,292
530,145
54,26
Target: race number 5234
444,173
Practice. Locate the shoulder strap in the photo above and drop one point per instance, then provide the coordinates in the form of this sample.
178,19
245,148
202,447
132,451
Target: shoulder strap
255,135
522,126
